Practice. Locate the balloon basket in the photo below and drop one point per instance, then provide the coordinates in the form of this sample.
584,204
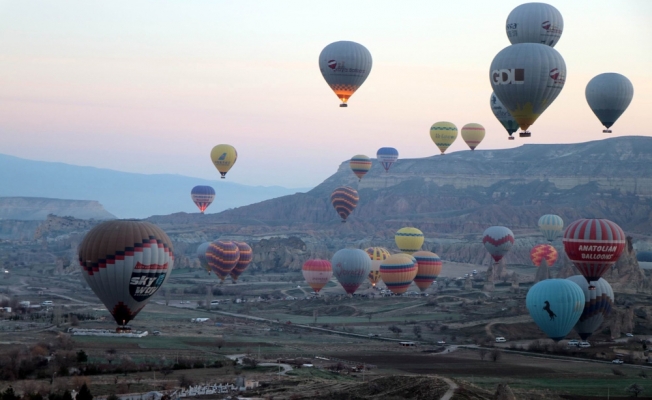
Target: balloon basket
344,105
525,134
511,138
123,329
606,131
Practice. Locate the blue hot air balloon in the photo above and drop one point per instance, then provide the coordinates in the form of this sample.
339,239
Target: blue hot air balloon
556,306
351,267
597,306
387,156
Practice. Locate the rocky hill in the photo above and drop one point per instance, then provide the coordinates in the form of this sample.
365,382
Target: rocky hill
38,208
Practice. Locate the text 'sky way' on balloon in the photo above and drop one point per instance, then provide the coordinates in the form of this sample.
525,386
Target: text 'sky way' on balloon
125,263
408,240
535,23
498,240
597,306
344,199
387,156
551,226
472,134
503,115
555,305
201,255
246,255
202,196
351,267
428,268
222,256
398,272
360,165
527,78
223,157
443,134
542,252
609,96
345,66
594,246
317,273
377,255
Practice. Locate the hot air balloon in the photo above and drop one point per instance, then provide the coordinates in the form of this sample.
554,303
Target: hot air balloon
201,255
535,23
223,157
125,263
472,134
377,255
360,165
345,66
644,259
203,196
542,252
503,116
398,271
498,240
609,96
555,305
409,240
551,225
597,305
246,255
317,273
593,245
351,267
344,199
387,156
443,134
222,257
429,267
527,78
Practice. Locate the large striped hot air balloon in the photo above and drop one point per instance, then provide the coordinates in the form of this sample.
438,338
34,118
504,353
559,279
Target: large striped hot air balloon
344,199
398,272
535,23
443,134
345,66
609,96
551,225
202,196
593,245
223,157
222,257
429,267
317,273
377,255
360,165
597,305
386,157
201,255
246,255
125,263
555,305
498,240
542,252
409,239
351,267
472,134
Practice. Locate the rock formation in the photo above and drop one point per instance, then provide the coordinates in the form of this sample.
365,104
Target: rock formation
542,272
626,276
37,208
279,254
504,392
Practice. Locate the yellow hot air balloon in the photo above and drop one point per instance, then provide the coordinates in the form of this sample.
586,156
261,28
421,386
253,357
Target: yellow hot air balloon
377,255
473,134
398,271
443,134
409,240
223,157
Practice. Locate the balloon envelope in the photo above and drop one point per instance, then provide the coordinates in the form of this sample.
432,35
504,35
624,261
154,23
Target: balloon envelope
542,252
317,273
597,305
203,196
344,199
472,134
609,96
345,66
443,134
498,240
223,157
503,115
201,255
409,239
398,272
387,156
535,23
222,257
246,255
125,263
377,255
428,268
555,305
351,267
551,225
360,165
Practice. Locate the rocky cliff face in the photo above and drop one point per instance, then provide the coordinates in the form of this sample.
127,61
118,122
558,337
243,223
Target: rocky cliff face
36,208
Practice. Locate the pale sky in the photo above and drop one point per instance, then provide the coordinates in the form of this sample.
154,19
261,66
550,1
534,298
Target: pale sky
152,86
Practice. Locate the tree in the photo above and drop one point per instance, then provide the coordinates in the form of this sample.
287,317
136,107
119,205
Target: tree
483,353
495,355
369,316
315,314
417,331
112,396
9,394
395,330
82,357
219,342
66,395
84,393
634,389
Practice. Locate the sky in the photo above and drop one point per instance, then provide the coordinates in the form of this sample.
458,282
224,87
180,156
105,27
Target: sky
151,86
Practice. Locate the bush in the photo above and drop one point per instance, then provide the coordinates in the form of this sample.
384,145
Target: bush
618,372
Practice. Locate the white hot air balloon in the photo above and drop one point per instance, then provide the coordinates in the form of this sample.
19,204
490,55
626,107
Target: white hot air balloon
527,78
609,96
345,66
535,23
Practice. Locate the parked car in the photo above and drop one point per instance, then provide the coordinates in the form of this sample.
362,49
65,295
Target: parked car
584,344
500,339
47,303
629,335
617,361
441,342
573,342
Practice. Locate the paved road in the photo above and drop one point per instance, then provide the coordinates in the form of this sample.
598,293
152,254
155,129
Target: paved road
452,386
239,357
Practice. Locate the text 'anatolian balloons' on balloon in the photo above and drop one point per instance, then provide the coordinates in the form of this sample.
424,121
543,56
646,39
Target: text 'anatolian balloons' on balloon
344,199
351,267
345,66
503,115
555,305
125,263
246,255
443,134
542,252
398,272
408,239
594,246
527,78
609,96
222,256
202,196
429,267
551,226
597,305
223,157
387,156
498,240
360,165
377,255
201,255
472,134
317,273
535,23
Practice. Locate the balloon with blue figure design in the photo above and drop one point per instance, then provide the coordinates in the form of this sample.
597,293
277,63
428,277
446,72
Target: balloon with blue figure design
555,306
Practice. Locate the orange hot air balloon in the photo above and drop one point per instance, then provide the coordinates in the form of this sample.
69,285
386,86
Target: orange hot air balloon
317,273
541,252
246,255
398,271
428,268
377,255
